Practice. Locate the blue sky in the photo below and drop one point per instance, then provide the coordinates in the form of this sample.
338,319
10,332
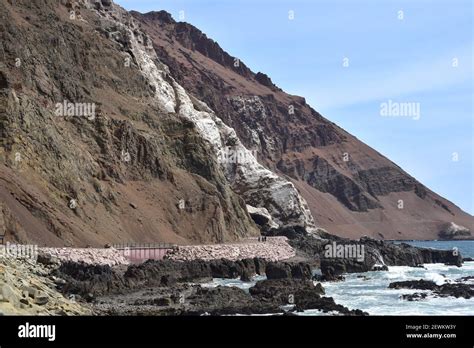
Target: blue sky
403,56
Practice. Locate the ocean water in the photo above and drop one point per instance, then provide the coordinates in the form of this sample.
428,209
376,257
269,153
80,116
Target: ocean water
233,282
369,291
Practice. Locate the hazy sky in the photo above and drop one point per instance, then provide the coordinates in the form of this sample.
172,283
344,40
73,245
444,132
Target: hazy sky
413,51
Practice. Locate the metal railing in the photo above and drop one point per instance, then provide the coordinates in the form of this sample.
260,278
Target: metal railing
122,246
139,252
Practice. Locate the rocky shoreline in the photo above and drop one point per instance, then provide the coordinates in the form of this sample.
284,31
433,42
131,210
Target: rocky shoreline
377,255
102,282
172,288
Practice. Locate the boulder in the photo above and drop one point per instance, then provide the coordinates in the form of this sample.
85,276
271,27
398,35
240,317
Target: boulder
413,284
261,217
286,270
41,299
301,270
444,290
325,304
454,231
278,270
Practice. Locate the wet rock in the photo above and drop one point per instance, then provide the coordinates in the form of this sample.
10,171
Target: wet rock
332,269
376,254
325,304
246,276
413,284
260,265
380,268
444,290
406,255
301,270
224,268
99,280
417,296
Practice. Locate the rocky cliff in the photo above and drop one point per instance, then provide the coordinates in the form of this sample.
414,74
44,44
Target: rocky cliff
100,143
122,127
351,189
133,171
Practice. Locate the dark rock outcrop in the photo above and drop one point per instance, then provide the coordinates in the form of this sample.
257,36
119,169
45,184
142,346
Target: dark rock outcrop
406,255
284,291
444,290
377,255
90,280
161,288
303,294
85,279
227,300
332,269
325,304
184,299
414,284
285,270
153,272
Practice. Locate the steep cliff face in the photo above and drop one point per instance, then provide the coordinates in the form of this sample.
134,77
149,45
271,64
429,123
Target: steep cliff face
351,189
134,170
123,127
101,144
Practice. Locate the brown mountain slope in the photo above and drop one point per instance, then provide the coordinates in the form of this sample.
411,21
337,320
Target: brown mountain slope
116,177
351,189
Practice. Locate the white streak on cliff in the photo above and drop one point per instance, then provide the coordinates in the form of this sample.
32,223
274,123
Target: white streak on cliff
256,184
